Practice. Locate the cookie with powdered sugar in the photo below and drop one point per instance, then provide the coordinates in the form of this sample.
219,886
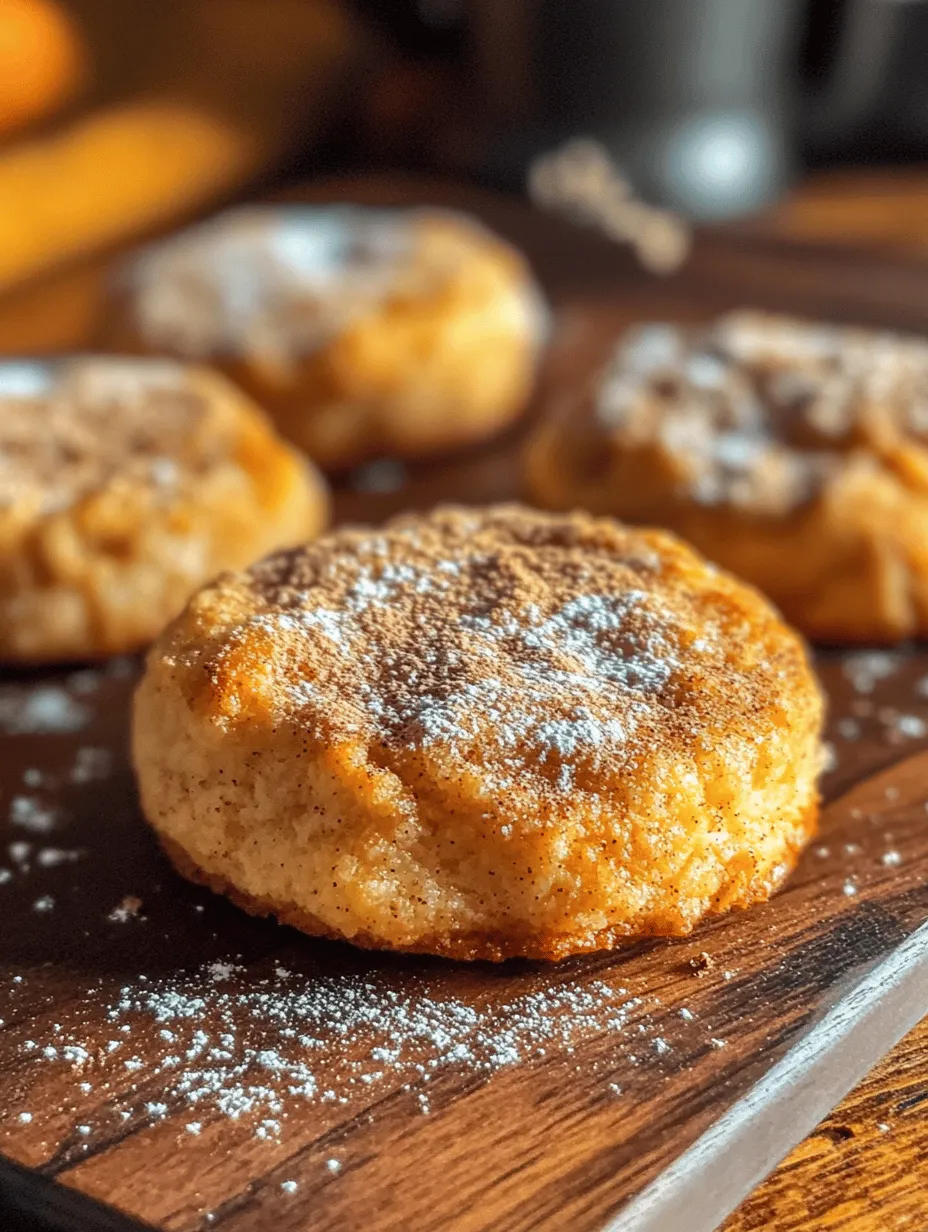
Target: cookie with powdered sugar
794,454
124,485
482,734
364,332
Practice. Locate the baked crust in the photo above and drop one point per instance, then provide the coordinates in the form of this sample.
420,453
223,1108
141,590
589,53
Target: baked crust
124,485
482,734
362,332
476,946
792,454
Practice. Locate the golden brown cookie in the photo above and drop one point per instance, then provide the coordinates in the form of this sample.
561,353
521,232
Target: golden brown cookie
482,733
362,331
793,454
124,485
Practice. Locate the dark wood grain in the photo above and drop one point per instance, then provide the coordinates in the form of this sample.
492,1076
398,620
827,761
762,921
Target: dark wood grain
559,1140
546,1143
864,1167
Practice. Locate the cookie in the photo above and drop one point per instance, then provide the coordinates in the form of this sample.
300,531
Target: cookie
793,454
482,734
363,332
125,485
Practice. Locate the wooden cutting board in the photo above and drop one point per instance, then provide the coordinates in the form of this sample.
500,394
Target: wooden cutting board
199,1069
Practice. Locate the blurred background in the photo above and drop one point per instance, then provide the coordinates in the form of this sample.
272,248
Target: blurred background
119,118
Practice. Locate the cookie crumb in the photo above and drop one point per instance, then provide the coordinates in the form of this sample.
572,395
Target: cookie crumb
128,909
702,963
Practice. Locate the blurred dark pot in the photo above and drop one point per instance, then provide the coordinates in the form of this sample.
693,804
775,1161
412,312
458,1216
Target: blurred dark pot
698,100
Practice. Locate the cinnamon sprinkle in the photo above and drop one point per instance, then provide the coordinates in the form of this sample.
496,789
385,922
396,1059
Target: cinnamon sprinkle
551,650
75,425
761,412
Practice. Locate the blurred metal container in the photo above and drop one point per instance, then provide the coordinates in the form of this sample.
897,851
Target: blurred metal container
698,100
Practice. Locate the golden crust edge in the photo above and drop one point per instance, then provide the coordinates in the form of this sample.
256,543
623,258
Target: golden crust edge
483,946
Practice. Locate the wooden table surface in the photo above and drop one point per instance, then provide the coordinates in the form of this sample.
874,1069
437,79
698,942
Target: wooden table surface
865,1168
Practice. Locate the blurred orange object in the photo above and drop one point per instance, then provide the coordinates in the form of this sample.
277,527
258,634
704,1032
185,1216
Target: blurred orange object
43,60
114,173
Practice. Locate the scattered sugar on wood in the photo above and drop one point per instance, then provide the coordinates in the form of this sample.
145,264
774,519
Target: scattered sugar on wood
52,857
91,765
28,813
42,709
897,728
125,910
865,669
225,1046
848,728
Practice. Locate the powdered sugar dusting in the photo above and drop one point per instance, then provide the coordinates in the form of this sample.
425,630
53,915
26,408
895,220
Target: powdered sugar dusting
101,419
40,816
222,1044
864,669
39,710
270,282
759,411
548,664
